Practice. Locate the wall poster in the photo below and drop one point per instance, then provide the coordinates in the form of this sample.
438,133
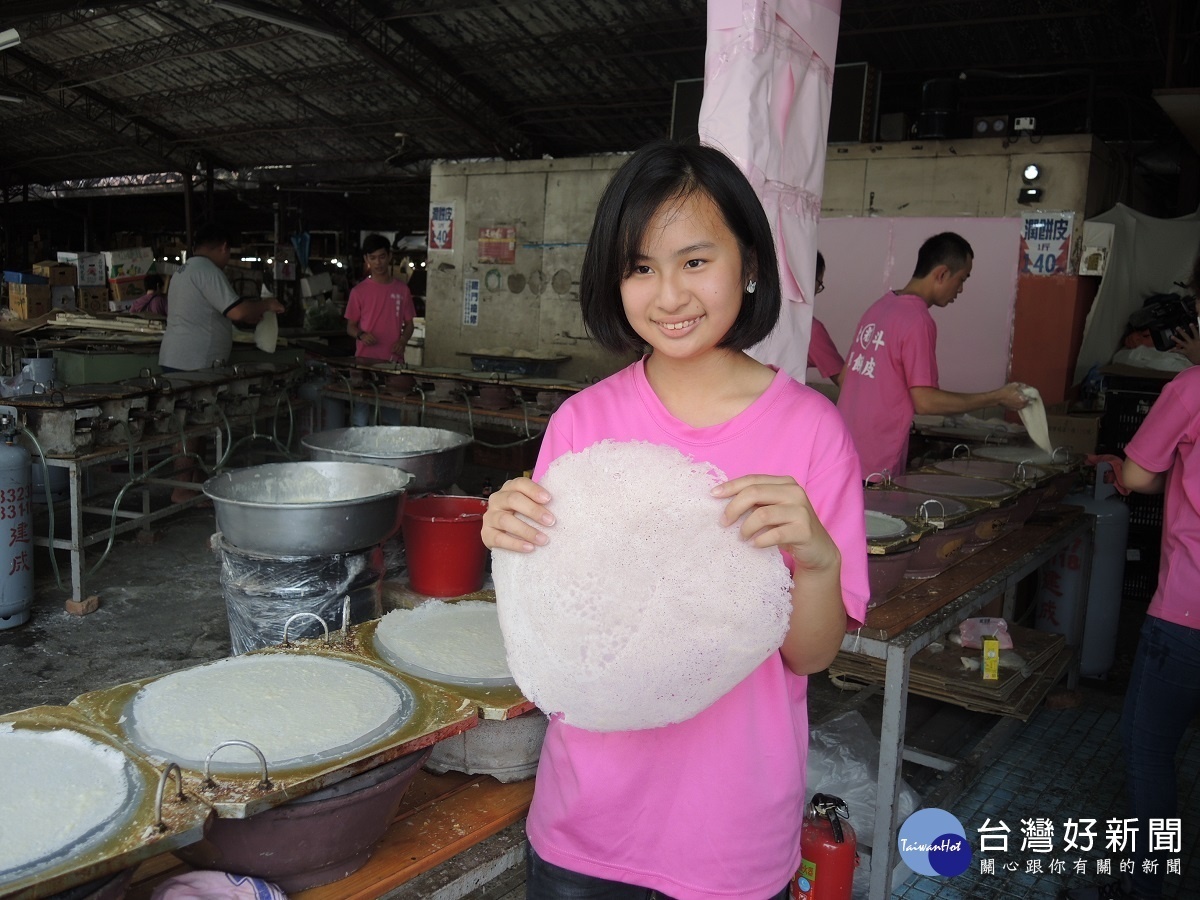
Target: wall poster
471,301
441,226
498,244
1046,243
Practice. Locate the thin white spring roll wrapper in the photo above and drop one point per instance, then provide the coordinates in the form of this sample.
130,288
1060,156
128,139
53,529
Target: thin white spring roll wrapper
1033,417
266,332
642,610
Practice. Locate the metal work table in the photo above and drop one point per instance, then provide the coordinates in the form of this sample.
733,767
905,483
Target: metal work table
1014,557
137,455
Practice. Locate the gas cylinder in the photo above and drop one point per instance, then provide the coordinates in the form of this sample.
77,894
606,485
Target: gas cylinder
828,852
16,528
1062,576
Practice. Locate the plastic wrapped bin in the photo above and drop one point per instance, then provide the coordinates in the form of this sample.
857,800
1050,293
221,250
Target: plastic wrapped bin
262,592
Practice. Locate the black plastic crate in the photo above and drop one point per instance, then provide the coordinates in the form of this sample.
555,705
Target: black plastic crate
1141,578
1124,412
1145,512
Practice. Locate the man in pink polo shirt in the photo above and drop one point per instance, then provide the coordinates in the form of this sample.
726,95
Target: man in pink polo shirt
891,370
380,312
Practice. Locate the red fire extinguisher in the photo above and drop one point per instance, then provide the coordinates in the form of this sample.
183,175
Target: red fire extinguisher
828,852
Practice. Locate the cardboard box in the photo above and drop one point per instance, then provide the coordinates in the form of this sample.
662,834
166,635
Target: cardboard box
28,301
131,263
91,299
1078,433
25,278
89,268
62,296
315,285
56,273
128,288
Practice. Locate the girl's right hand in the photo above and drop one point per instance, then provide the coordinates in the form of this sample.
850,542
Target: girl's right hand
501,525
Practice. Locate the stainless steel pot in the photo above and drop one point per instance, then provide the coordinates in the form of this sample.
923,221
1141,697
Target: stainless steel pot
308,508
434,456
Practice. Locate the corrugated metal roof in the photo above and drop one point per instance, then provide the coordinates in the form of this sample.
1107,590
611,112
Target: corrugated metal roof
181,85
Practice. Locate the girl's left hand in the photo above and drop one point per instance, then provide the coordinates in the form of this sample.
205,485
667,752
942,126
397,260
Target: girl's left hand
780,515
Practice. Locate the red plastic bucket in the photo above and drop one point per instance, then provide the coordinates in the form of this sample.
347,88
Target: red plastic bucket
446,556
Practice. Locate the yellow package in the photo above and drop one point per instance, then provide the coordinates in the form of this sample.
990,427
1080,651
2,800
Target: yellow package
991,659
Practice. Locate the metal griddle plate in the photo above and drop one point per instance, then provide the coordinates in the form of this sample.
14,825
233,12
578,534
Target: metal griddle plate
962,511
437,714
136,837
958,487
492,702
893,543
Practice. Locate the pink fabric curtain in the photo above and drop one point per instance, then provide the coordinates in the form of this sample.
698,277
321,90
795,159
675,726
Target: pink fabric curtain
768,79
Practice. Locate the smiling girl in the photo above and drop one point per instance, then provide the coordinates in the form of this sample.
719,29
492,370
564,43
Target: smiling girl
681,260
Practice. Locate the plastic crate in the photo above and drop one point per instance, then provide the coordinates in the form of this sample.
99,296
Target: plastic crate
1141,579
1145,512
1124,412
509,365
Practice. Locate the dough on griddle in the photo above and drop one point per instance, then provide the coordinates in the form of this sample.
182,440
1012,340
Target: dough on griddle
642,610
460,639
288,706
62,787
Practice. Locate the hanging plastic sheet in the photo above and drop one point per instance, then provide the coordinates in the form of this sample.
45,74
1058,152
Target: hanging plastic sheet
768,81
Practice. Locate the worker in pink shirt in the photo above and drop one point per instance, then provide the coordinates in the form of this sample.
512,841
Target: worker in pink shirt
380,312
822,352
1163,695
891,370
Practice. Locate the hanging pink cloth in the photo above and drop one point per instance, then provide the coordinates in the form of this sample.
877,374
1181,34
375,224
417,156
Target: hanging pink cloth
768,80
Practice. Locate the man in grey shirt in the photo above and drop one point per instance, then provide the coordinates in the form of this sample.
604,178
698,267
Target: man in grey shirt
203,307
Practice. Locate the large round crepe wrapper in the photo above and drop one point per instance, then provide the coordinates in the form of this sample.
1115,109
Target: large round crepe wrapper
642,610
62,788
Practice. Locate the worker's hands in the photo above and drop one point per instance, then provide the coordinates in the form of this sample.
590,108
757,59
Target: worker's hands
1011,397
502,528
779,514
367,338
398,349
273,305
1187,343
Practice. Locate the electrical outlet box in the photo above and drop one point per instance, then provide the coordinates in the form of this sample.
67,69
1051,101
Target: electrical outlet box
1024,123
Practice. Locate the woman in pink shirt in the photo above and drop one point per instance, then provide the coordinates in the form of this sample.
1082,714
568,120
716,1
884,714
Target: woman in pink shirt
681,259
1163,696
154,301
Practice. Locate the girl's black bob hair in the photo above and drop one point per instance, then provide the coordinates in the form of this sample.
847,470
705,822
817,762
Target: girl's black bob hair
669,171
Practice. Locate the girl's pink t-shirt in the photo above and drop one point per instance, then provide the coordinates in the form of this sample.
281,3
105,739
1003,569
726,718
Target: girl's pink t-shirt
710,807
1166,442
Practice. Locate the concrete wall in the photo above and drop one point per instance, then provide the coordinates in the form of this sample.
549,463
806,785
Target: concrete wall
974,177
552,204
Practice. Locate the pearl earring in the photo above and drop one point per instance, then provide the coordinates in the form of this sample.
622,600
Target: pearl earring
751,287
